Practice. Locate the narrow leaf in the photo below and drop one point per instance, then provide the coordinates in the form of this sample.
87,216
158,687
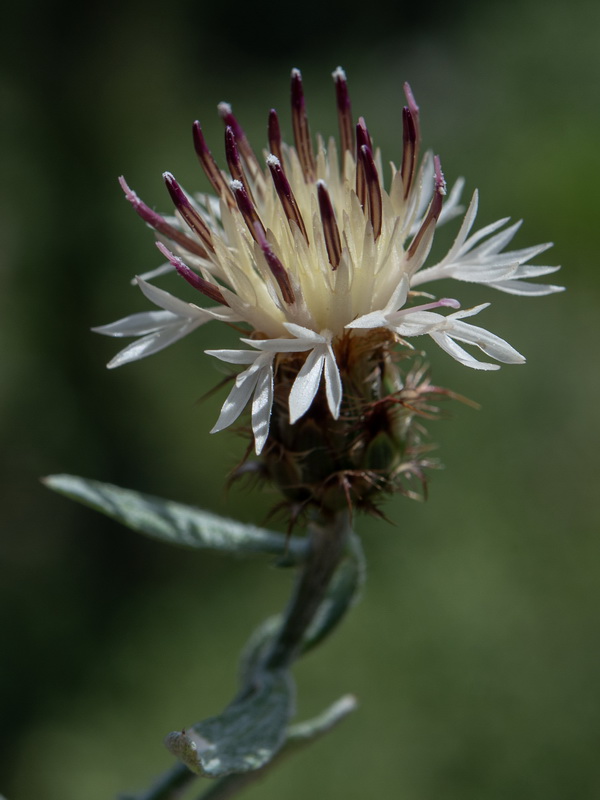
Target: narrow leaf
176,523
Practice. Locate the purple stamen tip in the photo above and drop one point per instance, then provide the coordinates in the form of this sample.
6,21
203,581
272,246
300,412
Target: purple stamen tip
362,134
175,190
297,90
341,87
199,140
124,186
440,182
410,98
449,302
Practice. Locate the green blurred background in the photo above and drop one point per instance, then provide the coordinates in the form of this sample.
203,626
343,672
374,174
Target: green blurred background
474,652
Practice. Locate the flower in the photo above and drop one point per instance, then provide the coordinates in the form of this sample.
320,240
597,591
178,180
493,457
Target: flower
321,262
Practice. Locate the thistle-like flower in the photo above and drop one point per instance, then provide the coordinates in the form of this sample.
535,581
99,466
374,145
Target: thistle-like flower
324,265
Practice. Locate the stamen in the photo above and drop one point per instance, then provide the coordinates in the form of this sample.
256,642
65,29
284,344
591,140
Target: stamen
233,160
344,108
301,128
362,139
247,208
240,137
285,193
160,224
278,270
373,189
362,135
274,135
444,302
213,173
188,212
411,136
434,210
330,228
208,289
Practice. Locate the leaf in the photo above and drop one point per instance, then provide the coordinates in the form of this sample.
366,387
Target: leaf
245,736
298,736
176,523
304,732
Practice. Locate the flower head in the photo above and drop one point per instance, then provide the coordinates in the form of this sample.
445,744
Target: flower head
320,256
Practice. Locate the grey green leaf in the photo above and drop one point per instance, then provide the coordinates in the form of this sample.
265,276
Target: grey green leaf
245,736
176,523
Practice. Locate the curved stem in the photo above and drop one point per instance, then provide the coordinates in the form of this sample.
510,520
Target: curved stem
328,538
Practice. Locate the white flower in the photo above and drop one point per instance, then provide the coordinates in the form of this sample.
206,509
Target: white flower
256,381
420,320
486,263
309,249
158,329
258,378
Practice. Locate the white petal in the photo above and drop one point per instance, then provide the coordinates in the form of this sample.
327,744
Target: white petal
527,289
333,383
306,385
468,312
139,324
261,408
234,356
497,242
152,343
304,333
283,345
167,301
465,227
155,273
245,383
460,354
399,295
481,234
376,319
489,343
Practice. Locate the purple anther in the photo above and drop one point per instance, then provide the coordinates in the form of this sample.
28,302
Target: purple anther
362,135
160,224
278,271
213,173
233,156
412,103
373,189
298,101
234,162
440,181
188,212
409,149
208,289
301,128
246,207
411,138
330,228
285,193
434,210
241,139
344,109
274,132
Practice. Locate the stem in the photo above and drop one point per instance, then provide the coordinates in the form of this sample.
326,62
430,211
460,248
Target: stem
327,542
328,537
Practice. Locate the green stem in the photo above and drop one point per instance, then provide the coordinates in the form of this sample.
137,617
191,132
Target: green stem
328,539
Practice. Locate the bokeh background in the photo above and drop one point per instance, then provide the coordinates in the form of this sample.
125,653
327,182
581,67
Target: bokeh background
474,652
